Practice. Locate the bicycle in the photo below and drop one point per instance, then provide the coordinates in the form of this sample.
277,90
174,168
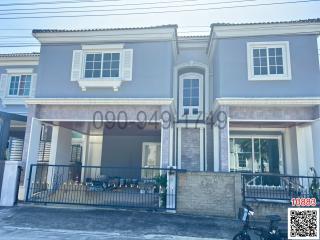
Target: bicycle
270,233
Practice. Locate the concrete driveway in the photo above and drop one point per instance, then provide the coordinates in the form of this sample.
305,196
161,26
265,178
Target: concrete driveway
38,222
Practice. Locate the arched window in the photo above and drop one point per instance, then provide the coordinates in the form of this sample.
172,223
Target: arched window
190,95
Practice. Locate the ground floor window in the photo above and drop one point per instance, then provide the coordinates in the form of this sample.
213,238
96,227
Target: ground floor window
256,154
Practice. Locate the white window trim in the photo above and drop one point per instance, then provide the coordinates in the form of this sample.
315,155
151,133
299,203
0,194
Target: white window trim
255,136
9,83
107,82
85,52
285,56
190,75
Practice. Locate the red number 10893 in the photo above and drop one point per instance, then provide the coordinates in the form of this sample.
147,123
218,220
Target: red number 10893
303,202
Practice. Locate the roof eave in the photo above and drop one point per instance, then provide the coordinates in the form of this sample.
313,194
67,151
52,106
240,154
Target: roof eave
107,35
246,30
19,60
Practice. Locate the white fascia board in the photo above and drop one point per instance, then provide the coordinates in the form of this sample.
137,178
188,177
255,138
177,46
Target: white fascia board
19,61
100,101
103,47
13,101
265,29
266,102
106,36
19,70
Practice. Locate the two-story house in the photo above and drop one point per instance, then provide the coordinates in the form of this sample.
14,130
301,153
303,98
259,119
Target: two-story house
246,98
18,80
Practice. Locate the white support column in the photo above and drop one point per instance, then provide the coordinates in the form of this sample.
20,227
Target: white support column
179,147
85,154
316,144
33,149
94,155
165,146
216,150
60,154
201,129
305,149
171,163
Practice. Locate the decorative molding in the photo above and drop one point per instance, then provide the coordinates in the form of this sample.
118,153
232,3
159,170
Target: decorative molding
106,47
313,101
84,84
100,101
14,101
19,70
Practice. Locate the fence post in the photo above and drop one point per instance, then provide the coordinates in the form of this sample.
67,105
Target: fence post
29,182
243,188
18,184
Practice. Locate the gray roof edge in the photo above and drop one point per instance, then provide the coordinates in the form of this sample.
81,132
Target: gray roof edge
174,26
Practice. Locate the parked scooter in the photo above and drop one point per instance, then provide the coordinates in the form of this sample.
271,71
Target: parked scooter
270,233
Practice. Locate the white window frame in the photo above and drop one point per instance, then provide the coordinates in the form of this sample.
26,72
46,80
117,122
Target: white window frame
285,57
190,116
9,83
259,136
85,52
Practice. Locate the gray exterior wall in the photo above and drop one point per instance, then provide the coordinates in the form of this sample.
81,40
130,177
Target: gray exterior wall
195,55
152,73
124,151
231,74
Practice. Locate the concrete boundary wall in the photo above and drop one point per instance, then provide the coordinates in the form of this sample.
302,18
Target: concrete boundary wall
219,194
208,193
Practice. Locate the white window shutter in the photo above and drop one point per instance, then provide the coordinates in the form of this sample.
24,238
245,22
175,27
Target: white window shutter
76,65
127,57
33,85
3,85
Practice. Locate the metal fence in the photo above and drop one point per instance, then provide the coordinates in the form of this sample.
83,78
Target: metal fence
279,187
151,188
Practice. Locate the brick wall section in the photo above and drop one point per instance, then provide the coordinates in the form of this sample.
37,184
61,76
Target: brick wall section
190,149
219,194
207,193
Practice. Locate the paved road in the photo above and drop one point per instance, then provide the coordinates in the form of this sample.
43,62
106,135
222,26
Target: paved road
36,222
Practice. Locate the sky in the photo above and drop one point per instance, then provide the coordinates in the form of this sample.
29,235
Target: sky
15,28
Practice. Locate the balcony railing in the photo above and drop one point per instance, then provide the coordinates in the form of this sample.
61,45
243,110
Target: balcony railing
279,187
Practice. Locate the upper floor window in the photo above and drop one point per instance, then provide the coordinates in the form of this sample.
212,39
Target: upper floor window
269,61
19,85
97,66
102,65
191,93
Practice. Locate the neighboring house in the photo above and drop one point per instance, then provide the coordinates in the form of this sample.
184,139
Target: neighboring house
245,98
18,80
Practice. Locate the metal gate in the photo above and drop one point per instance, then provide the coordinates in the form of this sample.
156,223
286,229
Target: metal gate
151,188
